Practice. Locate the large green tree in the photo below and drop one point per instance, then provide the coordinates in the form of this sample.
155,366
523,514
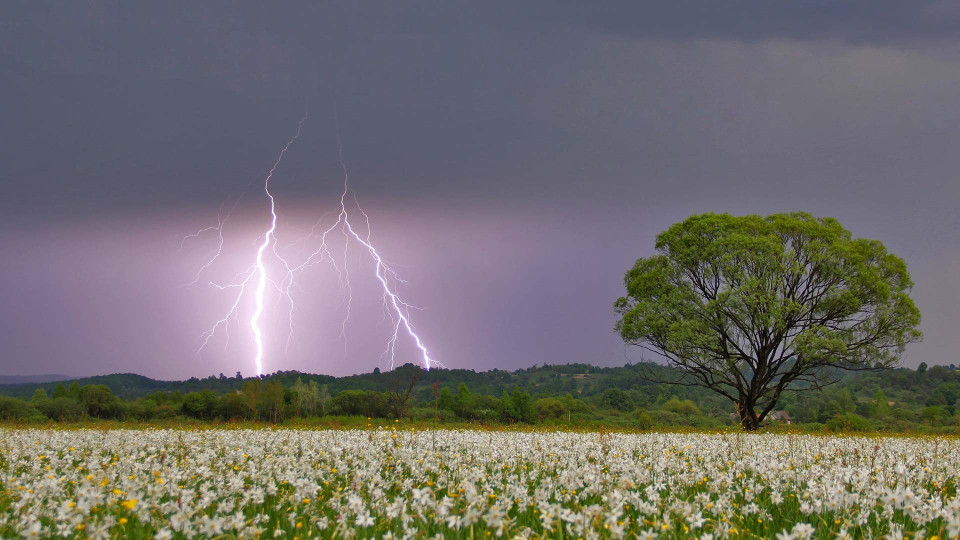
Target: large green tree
752,306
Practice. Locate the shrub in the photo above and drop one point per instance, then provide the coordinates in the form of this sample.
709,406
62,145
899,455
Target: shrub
359,403
235,406
685,407
17,409
905,415
849,422
614,398
644,420
550,408
61,409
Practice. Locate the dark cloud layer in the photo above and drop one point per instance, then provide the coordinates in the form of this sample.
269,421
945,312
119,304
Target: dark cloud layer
589,126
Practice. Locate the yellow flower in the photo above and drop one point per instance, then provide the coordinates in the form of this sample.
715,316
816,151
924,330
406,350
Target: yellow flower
129,504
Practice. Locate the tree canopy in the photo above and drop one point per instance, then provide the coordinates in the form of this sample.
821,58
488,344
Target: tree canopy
752,306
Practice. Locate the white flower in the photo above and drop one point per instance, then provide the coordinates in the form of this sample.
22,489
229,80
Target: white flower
364,520
803,531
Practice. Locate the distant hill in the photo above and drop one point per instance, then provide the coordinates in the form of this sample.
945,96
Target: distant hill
909,391
578,379
26,379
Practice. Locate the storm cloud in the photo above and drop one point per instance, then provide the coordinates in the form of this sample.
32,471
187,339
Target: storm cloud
517,157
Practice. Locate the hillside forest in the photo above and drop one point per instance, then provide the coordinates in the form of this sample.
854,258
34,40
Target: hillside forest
572,395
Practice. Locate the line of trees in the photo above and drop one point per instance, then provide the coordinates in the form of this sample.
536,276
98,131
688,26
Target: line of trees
269,400
899,400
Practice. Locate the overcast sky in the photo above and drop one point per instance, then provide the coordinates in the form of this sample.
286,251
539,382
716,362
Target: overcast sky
514,158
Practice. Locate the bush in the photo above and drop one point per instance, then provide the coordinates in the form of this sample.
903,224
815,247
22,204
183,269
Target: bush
98,401
849,422
934,414
685,407
644,420
550,408
614,398
516,407
904,415
142,409
19,410
61,409
235,406
359,403
667,418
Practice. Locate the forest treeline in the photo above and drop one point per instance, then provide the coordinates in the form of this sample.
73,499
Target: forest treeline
924,399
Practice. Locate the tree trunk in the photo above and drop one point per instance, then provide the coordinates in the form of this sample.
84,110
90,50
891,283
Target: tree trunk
749,420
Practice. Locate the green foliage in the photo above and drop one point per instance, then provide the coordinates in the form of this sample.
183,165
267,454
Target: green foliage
270,406
935,414
61,409
236,406
516,407
550,407
880,408
615,398
685,407
748,306
446,400
463,402
98,401
17,410
644,420
551,391
359,403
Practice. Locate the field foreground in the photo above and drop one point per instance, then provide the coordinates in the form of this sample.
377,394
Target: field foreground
473,484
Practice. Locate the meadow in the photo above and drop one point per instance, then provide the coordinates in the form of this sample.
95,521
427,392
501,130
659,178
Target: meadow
394,482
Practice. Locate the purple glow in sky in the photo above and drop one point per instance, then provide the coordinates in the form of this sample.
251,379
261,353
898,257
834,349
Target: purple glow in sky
514,159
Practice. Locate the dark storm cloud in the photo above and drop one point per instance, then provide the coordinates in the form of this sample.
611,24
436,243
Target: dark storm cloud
583,128
142,103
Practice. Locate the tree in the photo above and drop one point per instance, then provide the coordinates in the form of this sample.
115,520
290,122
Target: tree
880,408
61,409
445,401
305,397
235,406
194,405
323,397
516,406
463,402
39,396
400,389
271,401
752,306
252,389
615,398
97,400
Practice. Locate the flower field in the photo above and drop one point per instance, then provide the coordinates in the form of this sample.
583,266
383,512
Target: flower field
388,483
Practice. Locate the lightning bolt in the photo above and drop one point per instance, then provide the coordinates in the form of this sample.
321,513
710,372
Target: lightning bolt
258,269
256,276
261,269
